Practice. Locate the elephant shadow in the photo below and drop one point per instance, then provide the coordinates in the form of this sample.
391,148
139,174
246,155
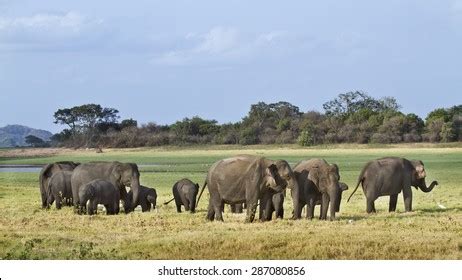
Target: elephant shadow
439,210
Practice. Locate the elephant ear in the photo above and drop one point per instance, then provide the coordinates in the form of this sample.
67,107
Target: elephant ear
91,191
313,176
117,171
334,168
343,186
270,176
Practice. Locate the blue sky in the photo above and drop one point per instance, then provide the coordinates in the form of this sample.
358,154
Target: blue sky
164,60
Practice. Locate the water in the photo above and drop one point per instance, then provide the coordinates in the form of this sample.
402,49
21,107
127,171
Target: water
20,168
36,169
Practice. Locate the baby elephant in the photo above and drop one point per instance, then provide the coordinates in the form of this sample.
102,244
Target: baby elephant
185,193
59,189
146,198
272,202
99,192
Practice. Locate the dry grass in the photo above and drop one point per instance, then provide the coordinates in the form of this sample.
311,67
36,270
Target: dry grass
27,232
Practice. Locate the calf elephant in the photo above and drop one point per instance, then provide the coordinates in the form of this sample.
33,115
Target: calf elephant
119,174
318,180
146,199
388,177
185,193
318,200
246,179
48,171
270,203
99,192
60,189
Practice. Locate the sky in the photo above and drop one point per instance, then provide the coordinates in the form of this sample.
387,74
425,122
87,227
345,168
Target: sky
162,61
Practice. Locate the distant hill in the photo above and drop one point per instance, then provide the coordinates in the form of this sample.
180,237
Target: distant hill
14,135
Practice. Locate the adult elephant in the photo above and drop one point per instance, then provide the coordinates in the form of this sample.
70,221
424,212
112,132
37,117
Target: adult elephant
246,179
318,179
388,177
60,189
119,174
47,172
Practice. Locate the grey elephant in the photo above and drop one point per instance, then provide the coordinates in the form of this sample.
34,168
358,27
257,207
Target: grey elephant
343,187
318,181
245,178
60,190
185,193
388,177
272,202
146,199
121,175
237,208
99,192
47,172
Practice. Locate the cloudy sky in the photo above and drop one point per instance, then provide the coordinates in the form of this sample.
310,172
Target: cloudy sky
164,60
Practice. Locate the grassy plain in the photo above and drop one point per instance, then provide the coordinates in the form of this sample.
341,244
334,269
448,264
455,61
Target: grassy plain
430,232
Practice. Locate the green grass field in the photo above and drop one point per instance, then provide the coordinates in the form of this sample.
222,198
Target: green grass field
430,232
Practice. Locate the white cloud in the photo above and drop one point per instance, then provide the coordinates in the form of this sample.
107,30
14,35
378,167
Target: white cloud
70,21
46,31
219,40
218,44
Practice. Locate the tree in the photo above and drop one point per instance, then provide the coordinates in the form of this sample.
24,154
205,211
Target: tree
85,119
349,103
34,141
128,123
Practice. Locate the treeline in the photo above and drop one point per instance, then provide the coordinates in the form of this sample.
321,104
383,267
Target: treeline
353,117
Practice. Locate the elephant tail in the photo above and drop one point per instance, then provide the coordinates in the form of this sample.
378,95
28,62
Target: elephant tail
360,180
200,194
165,203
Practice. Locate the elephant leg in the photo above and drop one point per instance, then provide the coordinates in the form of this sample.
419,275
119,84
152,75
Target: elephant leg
116,207
108,209
261,211
218,212
58,202
239,208
324,206
178,204
370,206
407,195
50,201
280,213
93,208
148,206
185,202
210,211
265,208
144,206
44,198
217,204
269,211
251,210
310,208
393,202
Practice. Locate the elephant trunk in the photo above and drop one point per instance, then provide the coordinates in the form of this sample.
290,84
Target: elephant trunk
335,197
296,201
423,186
43,185
338,201
135,187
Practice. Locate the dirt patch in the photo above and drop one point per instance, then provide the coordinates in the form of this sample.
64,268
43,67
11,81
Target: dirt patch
32,152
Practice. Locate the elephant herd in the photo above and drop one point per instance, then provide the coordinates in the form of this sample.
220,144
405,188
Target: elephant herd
243,181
